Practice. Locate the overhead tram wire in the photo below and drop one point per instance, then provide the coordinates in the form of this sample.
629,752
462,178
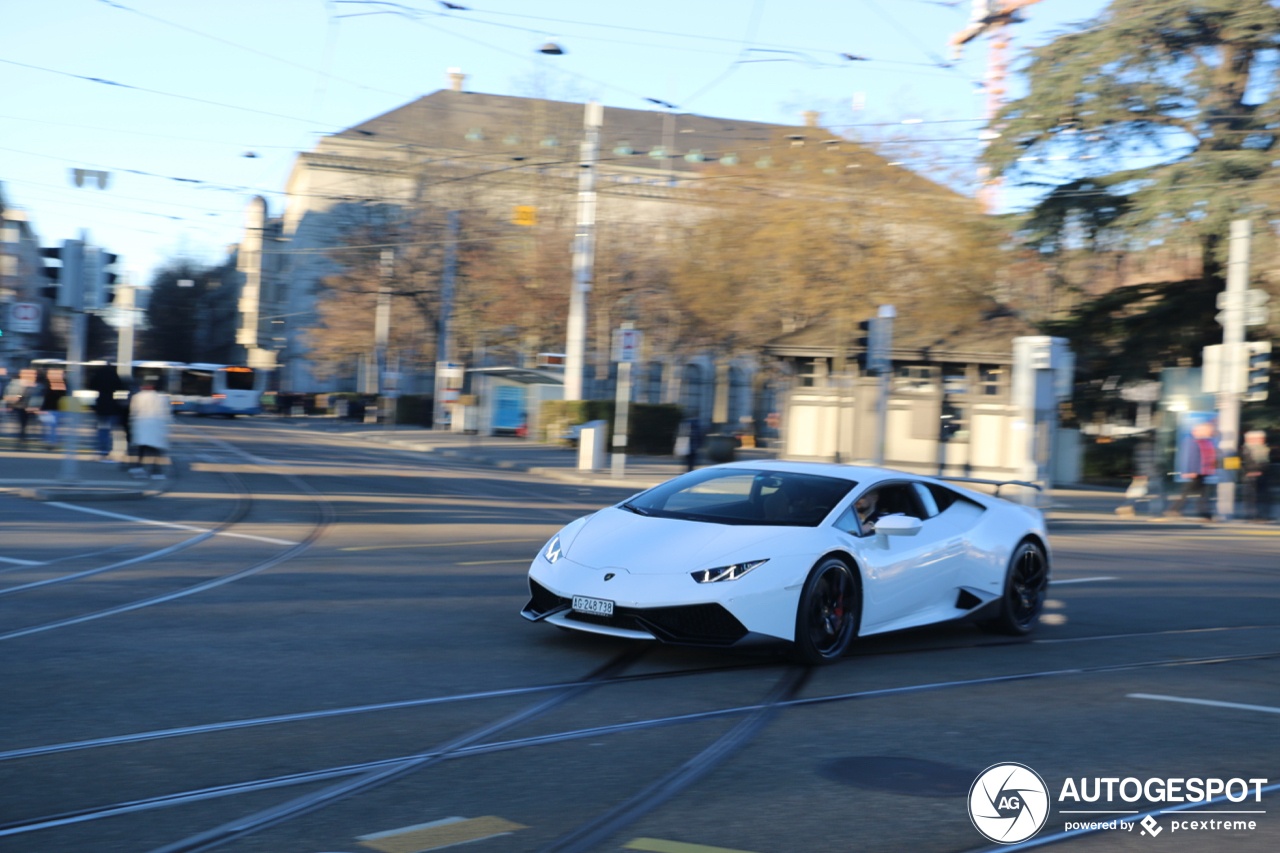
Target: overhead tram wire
252,50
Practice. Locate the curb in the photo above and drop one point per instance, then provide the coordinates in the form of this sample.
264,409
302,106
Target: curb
82,494
561,474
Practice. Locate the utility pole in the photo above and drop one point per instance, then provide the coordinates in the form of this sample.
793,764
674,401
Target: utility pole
71,295
584,253
447,277
124,343
626,351
881,359
1232,372
382,324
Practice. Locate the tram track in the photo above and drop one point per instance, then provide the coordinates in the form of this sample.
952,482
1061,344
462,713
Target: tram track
240,510
471,745
404,704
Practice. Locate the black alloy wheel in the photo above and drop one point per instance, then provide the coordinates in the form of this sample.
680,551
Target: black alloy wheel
829,611
1024,591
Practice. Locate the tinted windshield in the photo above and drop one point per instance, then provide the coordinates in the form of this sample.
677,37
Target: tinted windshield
744,496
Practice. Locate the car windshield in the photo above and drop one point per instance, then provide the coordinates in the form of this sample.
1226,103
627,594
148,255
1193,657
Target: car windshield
744,496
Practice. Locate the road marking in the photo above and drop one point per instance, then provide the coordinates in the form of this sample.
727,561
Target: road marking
1080,580
1213,703
658,845
20,562
439,833
491,562
170,524
438,544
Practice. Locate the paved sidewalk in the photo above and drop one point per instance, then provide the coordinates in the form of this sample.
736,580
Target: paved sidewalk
545,460
34,470
517,454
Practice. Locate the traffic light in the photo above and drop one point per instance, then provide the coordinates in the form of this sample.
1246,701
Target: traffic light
1258,359
99,279
950,421
864,342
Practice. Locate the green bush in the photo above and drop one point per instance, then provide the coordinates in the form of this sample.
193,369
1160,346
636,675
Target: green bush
1109,463
651,431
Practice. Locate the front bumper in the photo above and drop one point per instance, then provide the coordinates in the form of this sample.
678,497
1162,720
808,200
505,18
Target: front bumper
707,624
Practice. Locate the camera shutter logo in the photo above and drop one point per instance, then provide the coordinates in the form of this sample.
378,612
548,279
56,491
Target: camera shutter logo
1008,803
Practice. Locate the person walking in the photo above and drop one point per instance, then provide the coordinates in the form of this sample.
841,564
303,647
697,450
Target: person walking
689,441
1256,462
149,417
1198,461
106,382
12,394
31,402
51,410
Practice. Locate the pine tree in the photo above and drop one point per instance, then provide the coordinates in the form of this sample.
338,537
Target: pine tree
1172,109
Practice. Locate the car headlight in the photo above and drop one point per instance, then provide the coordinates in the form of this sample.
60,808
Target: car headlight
553,553
726,573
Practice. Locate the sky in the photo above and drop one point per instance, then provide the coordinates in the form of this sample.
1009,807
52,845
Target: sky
183,92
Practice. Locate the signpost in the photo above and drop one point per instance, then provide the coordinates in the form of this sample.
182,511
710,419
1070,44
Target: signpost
25,317
626,351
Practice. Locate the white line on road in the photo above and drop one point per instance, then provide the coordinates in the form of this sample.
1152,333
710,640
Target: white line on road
137,520
1080,580
1213,703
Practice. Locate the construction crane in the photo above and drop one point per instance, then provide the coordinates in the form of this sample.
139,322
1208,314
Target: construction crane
992,18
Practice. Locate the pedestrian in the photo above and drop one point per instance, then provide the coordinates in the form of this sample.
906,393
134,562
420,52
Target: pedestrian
689,441
51,410
1198,461
150,416
12,394
106,382
1144,469
31,402
1256,461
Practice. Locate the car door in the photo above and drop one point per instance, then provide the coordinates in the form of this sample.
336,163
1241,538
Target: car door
905,574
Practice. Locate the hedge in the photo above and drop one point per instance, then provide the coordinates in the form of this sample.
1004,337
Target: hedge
651,428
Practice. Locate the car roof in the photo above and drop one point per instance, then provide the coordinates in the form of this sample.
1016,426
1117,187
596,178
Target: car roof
858,473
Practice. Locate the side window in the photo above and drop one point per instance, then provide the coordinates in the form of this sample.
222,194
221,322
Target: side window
927,500
848,522
944,497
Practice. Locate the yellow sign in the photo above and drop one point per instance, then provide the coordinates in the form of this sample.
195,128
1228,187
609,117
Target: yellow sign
525,214
1231,463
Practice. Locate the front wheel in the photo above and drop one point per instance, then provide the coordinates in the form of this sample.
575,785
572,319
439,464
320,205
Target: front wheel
1024,589
828,614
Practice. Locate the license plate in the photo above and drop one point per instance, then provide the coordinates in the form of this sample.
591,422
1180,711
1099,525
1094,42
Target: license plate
598,606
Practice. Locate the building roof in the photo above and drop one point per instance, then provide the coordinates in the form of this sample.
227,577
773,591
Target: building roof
482,123
985,338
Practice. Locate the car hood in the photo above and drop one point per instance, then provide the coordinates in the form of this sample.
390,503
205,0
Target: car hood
617,538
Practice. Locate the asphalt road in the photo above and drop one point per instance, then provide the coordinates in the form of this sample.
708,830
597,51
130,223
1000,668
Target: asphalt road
317,648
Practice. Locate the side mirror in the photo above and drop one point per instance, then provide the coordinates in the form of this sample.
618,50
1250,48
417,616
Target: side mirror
899,525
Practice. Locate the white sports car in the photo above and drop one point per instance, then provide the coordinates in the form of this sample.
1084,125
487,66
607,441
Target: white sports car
809,553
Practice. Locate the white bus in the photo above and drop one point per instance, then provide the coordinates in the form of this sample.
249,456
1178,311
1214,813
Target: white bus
202,389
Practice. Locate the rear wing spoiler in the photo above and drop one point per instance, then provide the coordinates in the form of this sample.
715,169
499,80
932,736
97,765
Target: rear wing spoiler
996,483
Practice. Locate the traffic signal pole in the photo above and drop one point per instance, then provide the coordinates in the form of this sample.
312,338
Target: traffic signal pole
584,253
1232,372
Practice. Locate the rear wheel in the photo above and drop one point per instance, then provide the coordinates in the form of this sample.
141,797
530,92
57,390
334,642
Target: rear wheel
1024,590
828,614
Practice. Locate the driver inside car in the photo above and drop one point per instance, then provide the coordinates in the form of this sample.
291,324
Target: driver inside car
865,506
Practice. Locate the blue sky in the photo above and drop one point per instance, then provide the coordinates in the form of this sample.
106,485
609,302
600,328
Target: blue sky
270,77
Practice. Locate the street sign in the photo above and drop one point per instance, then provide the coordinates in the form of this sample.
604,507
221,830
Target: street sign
1252,301
626,345
25,317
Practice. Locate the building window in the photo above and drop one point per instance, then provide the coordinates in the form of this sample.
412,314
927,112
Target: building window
991,379
916,379
954,380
